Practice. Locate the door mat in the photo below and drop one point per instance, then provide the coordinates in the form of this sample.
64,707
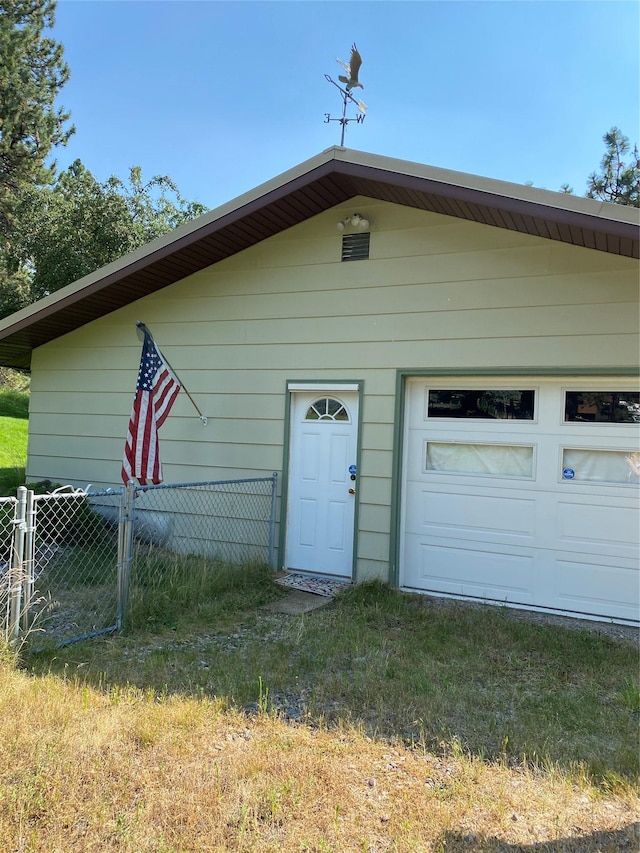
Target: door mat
317,586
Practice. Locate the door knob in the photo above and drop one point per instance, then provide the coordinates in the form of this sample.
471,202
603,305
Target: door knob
352,491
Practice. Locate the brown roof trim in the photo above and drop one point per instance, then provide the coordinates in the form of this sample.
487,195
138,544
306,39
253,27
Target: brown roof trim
325,181
488,200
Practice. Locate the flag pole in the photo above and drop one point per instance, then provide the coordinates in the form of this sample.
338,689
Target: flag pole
144,328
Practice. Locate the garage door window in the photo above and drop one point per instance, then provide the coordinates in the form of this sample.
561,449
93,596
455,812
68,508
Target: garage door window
481,403
602,407
497,460
601,466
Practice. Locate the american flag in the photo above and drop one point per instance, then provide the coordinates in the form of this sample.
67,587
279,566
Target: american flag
156,391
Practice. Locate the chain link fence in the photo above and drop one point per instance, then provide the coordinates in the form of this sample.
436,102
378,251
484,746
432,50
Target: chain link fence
183,533
72,561
227,520
9,582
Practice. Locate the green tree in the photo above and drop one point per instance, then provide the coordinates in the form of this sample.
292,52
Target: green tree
54,230
15,287
32,72
79,224
154,207
619,178
68,230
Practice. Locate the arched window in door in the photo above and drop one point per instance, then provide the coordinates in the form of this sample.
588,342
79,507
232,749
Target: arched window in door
327,409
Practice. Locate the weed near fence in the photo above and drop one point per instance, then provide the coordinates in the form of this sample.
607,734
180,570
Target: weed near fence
165,587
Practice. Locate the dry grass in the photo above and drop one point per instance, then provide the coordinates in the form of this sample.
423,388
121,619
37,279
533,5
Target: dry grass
377,723
85,770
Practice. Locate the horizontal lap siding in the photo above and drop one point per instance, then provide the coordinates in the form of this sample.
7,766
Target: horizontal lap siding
599,346
437,293
242,340
443,296
179,429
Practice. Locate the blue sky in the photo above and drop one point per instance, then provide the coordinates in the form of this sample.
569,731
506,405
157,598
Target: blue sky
222,96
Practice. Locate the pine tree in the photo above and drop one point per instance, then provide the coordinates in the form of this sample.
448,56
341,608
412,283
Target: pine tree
619,180
32,72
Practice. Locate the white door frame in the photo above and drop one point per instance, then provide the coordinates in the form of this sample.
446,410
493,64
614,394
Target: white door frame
321,388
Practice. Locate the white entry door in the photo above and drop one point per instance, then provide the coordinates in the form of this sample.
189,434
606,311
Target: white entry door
321,493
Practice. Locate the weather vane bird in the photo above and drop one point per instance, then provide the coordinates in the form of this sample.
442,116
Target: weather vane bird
352,69
351,81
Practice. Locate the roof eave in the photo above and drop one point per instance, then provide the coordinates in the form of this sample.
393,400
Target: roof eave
319,183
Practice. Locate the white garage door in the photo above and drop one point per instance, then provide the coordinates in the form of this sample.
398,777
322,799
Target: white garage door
524,493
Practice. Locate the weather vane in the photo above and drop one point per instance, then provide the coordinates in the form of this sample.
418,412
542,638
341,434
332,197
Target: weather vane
350,82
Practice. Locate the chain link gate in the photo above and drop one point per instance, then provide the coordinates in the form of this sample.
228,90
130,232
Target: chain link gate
73,555
71,563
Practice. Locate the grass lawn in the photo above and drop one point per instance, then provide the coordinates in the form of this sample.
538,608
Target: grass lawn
14,413
380,722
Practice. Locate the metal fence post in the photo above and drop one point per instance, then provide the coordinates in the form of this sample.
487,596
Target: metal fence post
125,550
28,579
272,522
16,567
122,509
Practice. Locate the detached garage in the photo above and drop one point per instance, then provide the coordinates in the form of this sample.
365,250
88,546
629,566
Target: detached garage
441,368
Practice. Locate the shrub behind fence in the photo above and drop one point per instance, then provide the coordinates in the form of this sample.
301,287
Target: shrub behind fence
69,560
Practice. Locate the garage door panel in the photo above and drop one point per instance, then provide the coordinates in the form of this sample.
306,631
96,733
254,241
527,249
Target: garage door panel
602,528
511,486
499,574
596,586
491,517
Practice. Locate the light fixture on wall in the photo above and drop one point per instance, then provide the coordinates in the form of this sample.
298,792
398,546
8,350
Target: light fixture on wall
355,221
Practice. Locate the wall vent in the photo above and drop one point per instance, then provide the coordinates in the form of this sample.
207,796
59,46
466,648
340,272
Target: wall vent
355,247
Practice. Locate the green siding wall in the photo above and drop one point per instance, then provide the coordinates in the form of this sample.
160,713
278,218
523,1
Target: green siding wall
437,293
